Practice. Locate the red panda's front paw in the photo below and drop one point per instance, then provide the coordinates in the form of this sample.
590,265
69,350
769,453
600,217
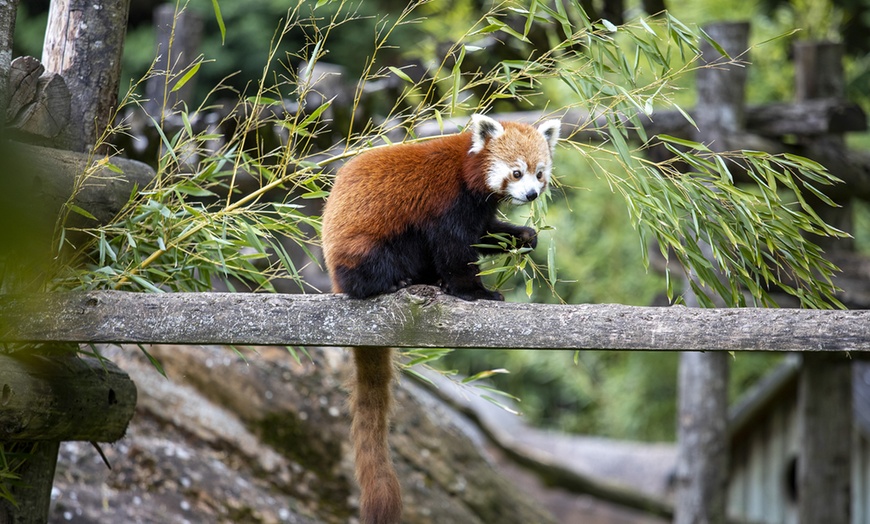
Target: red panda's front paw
528,237
475,294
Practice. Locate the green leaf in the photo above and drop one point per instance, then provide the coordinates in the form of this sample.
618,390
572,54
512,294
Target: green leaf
220,20
683,142
714,43
186,77
502,26
484,374
154,362
79,211
401,74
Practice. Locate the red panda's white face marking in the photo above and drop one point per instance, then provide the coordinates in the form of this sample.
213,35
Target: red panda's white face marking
520,157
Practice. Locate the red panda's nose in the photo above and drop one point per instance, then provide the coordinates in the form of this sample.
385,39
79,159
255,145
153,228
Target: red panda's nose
531,195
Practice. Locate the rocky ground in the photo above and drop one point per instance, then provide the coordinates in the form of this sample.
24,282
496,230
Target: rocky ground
259,436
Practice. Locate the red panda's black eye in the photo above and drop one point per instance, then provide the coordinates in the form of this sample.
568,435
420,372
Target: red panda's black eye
540,175
517,174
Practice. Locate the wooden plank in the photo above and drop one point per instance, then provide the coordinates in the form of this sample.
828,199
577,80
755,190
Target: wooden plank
806,117
418,316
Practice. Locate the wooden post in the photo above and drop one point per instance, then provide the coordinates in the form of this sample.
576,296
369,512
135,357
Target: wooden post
48,398
824,483
819,76
8,10
702,429
39,469
83,43
178,38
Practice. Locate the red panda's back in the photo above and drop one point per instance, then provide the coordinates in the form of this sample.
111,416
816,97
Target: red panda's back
378,194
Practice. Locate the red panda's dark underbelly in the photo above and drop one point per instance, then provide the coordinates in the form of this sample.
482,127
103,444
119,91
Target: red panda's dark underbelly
425,253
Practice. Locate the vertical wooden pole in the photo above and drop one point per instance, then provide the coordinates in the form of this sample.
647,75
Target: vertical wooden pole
702,426
178,39
83,43
702,454
8,10
33,493
824,483
824,467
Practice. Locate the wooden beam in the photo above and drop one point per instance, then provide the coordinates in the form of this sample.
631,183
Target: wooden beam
418,316
806,117
48,177
57,397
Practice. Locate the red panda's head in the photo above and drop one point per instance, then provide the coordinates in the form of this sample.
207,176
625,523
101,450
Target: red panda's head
519,157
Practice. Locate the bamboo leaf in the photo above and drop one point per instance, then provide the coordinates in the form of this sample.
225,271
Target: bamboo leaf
191,72
220,20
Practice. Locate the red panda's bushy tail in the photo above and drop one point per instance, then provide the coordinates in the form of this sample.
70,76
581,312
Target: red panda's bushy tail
381,498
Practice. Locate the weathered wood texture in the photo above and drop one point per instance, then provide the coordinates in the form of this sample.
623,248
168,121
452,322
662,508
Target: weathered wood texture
32,492
702,425
56,397
83,44
824,483
39,101
8,10
806,117
824,479
702,429
52,174
419,316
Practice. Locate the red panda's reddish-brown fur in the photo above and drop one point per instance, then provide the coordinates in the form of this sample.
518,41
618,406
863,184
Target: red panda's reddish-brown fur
400,195
408,214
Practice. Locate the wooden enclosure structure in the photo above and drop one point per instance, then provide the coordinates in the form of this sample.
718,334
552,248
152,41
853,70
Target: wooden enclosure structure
415,317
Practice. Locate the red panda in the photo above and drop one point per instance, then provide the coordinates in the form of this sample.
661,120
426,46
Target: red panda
411,214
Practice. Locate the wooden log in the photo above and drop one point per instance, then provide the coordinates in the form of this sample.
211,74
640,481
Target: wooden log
806,118
824,478
819,70
49,176
45,399
702,438
83,44
39,105
23,77
418,316
32,491
56,397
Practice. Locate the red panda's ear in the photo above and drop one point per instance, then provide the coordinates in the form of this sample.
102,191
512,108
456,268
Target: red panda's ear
550,129
483,128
